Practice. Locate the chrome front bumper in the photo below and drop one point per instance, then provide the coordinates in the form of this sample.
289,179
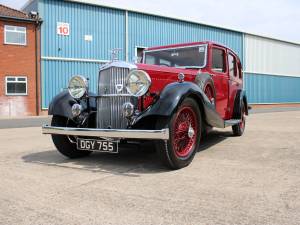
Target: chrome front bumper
108,133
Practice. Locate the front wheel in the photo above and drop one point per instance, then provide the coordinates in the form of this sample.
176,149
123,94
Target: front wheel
185,134
64,144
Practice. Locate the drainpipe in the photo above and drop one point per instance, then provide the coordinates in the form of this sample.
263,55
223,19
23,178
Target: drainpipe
38,23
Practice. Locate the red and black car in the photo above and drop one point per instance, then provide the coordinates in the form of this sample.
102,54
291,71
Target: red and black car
177,94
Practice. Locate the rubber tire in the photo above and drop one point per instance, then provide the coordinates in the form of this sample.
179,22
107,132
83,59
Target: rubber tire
165,150
236,129
62,143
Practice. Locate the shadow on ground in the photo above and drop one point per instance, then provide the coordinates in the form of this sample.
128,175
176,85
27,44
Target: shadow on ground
129,162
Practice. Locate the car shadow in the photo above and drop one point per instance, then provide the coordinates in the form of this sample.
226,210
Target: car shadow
131,161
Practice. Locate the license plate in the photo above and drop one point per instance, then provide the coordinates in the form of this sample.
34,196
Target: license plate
97,145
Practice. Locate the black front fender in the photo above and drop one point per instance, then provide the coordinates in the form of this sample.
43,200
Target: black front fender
61,105
173,95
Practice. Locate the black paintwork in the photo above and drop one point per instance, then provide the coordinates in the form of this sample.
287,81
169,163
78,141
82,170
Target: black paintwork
240,99
172,96
62,104
167,103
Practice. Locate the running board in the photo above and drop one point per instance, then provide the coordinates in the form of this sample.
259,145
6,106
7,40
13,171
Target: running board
228,123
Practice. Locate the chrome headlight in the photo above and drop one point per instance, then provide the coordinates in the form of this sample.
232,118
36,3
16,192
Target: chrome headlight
78,86
138,82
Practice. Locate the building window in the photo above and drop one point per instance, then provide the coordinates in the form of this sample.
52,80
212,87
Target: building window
139,54
16,85
14,35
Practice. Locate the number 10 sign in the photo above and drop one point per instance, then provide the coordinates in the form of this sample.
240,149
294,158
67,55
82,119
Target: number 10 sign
63,29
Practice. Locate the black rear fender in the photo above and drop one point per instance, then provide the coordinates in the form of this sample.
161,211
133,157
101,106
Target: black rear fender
240,99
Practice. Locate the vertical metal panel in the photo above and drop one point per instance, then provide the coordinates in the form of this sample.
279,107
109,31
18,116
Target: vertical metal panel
56,75
269,56
147,30
107,26
262,88
32,6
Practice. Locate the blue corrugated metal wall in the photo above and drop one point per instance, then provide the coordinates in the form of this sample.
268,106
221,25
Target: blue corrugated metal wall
56,76
262,88
147,30
107,26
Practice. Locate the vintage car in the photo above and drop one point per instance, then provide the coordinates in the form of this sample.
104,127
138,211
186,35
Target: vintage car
172,99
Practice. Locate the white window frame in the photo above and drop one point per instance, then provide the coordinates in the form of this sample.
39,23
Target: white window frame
22,32
135,52
16,81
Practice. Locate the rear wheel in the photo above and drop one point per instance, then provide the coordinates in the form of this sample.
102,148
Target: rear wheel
66,145
185,133
239,128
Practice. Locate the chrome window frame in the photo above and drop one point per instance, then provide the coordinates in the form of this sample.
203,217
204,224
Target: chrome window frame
189,46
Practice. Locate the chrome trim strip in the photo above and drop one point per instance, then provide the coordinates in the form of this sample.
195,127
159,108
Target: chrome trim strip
115,95
108,133
119,64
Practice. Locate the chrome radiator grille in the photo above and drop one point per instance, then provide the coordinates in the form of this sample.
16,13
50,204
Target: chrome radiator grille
112,96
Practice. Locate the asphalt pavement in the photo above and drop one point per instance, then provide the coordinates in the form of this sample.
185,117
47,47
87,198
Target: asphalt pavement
253,179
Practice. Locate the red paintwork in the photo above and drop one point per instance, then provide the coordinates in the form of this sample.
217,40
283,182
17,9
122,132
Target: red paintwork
225,86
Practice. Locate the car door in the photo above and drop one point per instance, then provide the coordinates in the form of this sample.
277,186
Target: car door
218,70
235,80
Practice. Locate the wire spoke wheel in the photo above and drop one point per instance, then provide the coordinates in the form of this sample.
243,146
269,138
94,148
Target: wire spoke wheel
185,132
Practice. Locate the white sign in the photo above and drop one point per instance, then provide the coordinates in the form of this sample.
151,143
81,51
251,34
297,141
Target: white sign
63,29
88,37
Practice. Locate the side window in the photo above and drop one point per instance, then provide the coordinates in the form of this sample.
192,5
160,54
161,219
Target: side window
218,60
232,65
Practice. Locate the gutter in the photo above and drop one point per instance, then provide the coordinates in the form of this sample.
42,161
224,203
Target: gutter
17,18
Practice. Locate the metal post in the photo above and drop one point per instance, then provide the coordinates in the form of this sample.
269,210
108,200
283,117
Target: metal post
126,36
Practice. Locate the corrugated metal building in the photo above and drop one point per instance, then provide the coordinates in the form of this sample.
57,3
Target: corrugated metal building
272,69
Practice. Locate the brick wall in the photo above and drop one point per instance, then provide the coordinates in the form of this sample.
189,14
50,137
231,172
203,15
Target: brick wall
18,61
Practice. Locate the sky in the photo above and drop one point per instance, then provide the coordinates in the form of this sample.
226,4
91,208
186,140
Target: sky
275,18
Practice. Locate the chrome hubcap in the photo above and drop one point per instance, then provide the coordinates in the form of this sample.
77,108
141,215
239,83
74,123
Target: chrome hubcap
191,132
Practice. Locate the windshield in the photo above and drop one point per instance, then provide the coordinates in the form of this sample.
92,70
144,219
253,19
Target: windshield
187,57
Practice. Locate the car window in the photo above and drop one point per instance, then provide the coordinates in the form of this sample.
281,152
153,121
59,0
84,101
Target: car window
218,60
189,56
232,65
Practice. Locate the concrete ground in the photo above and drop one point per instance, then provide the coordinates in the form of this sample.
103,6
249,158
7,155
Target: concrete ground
254,179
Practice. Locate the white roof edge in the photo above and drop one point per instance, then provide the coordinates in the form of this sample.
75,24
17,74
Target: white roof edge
94,2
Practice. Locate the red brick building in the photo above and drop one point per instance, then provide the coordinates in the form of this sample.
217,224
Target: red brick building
19,63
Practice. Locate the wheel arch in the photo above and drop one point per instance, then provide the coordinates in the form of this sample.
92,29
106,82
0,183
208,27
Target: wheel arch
240,99
173,95
61,105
